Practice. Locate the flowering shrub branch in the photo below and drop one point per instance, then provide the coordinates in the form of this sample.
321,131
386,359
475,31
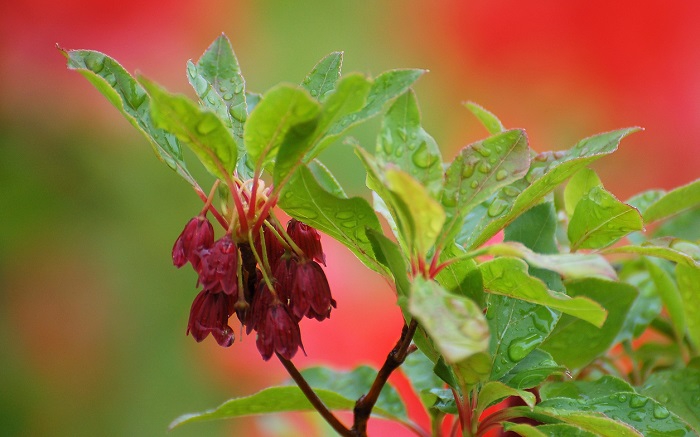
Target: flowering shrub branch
578,271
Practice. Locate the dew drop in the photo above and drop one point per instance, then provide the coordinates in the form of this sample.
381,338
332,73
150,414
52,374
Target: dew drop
481,150
622,398
238,89
638,401
402,134
484,167
450,201
501,174
510,191
497,207
191,70
314,93
350,224
228,96
422,157
387,145
660,412
636,416
95,64
344,215
111,80
521,347
206,126
474,184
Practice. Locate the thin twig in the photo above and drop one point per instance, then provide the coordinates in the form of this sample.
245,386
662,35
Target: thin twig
313,398
364,405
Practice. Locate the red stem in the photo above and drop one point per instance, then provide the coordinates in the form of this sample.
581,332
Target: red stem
222,221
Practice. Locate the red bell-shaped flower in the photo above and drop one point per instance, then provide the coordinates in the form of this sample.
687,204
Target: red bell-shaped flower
209,315
311,295
279,332
219,266
197,235
308,239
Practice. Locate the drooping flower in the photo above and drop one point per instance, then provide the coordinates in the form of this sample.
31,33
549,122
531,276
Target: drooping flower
308,239
279,332
310,294
284,275
218,268
262,299
209,315
197,235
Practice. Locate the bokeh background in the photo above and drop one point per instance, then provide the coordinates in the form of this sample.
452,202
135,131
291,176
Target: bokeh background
92,313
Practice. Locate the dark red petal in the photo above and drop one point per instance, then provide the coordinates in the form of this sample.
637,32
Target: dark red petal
308,239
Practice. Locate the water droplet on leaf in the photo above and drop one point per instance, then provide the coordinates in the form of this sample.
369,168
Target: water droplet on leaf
484,167
660,412
95,64
497,207
521,347
501,174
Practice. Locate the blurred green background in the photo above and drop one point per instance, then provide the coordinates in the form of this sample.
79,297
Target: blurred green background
92,312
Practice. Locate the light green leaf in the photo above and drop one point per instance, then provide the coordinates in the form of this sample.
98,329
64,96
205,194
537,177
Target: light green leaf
281,108
495,391
200,129
295,150
673,202
320,82
593,422
385,88
217,80
574,343
679,391
568,265
547,171
600,219
580,184
585,390
492,124
345,220
421,217
689,285
672,249
129,97
554,430
326,179
479,171
403,142
509,277
389,254
667,290
646,307
454,323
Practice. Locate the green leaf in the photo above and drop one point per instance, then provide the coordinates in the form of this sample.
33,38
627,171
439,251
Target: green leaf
131,100
320,82
389,254
555,430
673,202
345,220
537,366
281,108
600,219
325,179
403,142
418,369
646,307
643,200
580,184
454,323
689,285
492,124
509,277
677,390
645,415
565,342
494,391
585,390
354,384
667,290
200,129
518,328
385,88
296,150
594,422
479,171
672,249
547,171
461,277
217,80
683,225
421,217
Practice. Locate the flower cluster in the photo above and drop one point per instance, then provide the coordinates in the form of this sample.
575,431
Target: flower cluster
270,284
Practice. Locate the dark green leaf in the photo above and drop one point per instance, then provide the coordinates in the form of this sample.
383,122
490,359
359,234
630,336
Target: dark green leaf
555,430
673,202
345,220
647,305
580,184
667,290
643,200
574,343
131,100
492,124
200,129
509,277
679,391
537,366
600,219
454,323
320,82
585,390
389,254
479,171
418,369
495,391
689,285
403,142
683,225
281,108
546,172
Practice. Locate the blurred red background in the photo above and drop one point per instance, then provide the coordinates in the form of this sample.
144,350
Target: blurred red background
92,313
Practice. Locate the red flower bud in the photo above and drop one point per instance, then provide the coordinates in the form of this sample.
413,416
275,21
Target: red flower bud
198,234
279,332
209,315
311,294
218,269
308,239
